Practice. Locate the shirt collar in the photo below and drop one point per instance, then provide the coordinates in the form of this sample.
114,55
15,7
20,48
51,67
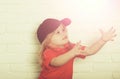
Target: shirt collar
66,47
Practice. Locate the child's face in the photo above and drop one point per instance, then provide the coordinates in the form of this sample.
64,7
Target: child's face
59,37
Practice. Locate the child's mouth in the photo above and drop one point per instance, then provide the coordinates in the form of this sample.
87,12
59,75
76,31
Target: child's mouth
65,37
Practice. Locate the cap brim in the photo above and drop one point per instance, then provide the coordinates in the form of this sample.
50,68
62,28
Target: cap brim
66,21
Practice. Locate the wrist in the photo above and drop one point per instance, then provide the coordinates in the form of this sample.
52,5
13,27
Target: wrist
72,54
103,40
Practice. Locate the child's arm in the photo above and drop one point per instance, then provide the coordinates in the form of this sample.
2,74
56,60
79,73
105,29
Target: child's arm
106,36
64,58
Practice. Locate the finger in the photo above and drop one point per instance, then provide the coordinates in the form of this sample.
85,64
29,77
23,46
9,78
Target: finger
78,45
113,31
114,35
112,39
110,29
101,31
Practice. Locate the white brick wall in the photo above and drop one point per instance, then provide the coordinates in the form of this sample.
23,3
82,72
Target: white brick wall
19,20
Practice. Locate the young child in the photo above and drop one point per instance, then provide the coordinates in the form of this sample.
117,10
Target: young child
57,52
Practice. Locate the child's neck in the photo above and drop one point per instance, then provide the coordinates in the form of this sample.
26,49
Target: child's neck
56,46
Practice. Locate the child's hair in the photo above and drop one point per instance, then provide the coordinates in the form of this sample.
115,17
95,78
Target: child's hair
44,44
45,30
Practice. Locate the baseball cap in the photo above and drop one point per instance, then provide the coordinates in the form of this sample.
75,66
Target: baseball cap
49,25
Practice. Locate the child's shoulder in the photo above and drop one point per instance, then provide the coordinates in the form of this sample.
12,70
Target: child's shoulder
48,50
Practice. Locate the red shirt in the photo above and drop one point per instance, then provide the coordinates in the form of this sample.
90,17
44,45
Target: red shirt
60,72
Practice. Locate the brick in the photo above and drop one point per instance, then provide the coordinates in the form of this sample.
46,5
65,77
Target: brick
116,67
2,39
93,75
2,29
20,38
116,75
4,68
104,67
6,75
28,28
3,48
18,58
25,68
23,48
116,57
13,38
17,75
31,39
101,58
82,67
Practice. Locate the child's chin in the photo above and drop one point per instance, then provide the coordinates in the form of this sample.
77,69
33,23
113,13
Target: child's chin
66,41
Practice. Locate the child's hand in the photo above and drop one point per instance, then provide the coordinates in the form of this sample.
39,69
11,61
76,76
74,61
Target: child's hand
76,50
109,35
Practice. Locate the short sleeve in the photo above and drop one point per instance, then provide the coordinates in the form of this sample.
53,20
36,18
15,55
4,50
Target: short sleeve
48,55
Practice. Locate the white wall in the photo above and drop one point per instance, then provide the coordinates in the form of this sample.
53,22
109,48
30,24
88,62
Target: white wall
19,47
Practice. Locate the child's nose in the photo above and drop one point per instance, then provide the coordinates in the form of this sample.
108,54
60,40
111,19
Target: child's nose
64,33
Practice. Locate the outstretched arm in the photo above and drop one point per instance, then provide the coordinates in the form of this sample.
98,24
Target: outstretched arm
76,50
64,58
105,37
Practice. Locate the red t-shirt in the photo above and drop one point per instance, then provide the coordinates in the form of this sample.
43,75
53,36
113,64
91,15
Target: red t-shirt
62,72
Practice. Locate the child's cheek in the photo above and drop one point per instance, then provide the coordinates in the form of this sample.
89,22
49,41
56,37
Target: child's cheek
55,39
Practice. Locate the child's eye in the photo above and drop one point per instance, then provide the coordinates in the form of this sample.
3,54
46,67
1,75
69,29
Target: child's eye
58,32
63,29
